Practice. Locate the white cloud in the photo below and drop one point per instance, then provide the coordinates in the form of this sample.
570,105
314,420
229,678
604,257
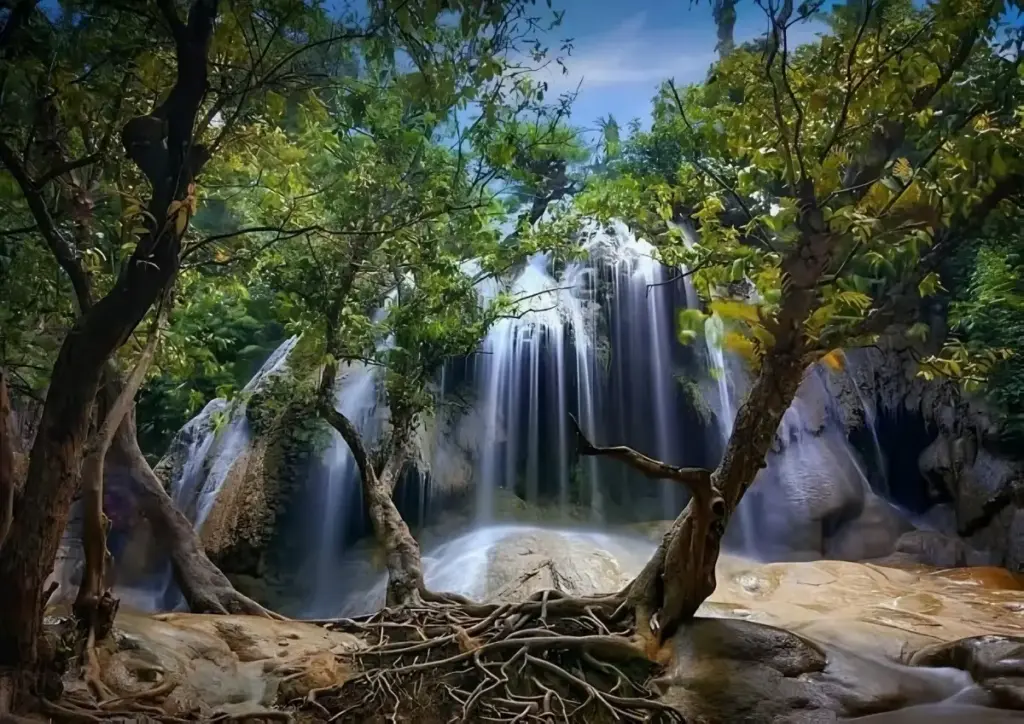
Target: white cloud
638,53
632,54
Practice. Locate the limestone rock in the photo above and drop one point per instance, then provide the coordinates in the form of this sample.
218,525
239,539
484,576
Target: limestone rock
233,665
727,670
187,444
873,534
534,561
933,548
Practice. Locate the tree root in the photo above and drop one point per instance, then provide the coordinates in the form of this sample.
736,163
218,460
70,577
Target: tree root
553,658
226,600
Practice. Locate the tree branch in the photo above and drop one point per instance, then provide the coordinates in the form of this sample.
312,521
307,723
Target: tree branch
62,249
707,171
337,420
68,167
177,27
92,588
850,87
698,480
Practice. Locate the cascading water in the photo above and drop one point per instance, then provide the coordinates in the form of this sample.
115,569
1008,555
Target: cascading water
596,341
334,485
519,401
212,454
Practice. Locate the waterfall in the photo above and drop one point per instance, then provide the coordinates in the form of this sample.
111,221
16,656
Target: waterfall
214,447
593,339
520,391
334,485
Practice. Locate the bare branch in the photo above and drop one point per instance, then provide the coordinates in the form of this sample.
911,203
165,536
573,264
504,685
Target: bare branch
681,275
698,480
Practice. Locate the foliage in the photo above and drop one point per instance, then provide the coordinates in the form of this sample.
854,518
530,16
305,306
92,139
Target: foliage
988,314
696,399
849,167
333,140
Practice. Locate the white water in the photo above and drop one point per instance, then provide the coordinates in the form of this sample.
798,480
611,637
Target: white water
543,364
212,455
335,485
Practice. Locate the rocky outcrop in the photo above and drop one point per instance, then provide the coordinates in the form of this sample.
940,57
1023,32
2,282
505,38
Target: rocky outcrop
817,495
236,468
785,642
221,667
446,447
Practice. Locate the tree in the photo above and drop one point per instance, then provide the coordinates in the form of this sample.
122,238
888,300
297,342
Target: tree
828,183
412,195
161,145
835,177
178,92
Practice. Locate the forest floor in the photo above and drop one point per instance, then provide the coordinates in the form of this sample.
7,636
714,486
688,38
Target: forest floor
849,639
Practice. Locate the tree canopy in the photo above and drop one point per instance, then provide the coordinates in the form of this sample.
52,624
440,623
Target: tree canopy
223,175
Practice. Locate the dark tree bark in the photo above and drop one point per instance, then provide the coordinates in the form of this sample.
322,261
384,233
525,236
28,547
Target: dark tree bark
41,512
94,606
8,485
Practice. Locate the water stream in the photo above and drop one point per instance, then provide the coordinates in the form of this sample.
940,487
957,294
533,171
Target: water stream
592,339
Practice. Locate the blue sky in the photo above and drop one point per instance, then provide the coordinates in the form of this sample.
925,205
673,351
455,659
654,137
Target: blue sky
623,49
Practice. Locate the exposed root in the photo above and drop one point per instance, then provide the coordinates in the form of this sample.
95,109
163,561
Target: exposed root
553,658
255,716
226,600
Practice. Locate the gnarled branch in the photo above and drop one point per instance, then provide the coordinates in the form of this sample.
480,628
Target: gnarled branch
698,480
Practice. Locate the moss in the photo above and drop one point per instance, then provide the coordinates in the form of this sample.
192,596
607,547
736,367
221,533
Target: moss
695,397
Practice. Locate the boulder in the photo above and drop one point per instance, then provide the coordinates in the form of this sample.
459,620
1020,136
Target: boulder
532,561
727,670
872,534
933,548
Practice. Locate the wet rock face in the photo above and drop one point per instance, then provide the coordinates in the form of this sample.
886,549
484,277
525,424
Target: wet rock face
814,499
994,662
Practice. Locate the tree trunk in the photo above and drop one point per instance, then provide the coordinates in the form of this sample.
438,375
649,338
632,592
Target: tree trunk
41,513
402,552
205,588
94,606
681,574
8,484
